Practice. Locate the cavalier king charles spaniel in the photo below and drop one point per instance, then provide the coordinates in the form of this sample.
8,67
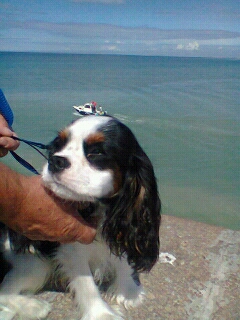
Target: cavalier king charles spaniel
96,161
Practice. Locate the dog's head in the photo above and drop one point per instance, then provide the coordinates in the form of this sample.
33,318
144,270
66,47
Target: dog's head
99,159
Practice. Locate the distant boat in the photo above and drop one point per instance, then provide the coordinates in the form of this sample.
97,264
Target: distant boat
90,109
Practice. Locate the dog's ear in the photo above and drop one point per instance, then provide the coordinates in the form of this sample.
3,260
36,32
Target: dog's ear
132,222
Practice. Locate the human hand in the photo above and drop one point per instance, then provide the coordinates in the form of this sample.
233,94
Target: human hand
39,215
6,142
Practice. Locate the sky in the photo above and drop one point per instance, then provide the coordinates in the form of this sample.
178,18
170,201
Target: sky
196,28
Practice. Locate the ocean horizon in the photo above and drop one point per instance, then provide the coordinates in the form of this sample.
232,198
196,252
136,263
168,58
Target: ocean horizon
183,111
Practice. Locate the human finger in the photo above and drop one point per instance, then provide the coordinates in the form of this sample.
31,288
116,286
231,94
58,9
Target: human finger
8,143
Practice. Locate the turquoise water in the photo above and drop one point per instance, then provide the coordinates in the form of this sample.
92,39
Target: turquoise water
184,112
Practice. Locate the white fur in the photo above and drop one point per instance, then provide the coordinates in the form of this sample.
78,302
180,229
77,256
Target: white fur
28,274
79,262
81,182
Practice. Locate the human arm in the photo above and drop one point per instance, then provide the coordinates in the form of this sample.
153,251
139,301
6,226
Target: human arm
27,207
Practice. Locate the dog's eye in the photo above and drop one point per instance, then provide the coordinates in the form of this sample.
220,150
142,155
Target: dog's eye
95,150
98,155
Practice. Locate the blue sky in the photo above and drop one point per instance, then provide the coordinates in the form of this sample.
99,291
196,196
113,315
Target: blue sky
205,28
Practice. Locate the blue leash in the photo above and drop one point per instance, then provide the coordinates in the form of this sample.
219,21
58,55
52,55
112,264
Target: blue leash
7,113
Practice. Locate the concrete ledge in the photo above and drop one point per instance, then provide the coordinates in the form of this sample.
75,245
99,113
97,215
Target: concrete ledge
197,277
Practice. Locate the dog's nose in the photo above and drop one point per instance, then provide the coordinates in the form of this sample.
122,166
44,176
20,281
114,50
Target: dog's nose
57,164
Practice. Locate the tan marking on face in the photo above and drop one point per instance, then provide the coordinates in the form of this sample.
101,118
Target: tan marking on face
95,138
63,135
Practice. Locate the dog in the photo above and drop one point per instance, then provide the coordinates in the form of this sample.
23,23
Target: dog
96,161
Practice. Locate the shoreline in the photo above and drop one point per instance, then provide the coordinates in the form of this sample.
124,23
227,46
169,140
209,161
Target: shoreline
197,276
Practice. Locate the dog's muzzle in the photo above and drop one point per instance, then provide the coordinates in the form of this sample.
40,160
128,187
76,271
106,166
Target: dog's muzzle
57,164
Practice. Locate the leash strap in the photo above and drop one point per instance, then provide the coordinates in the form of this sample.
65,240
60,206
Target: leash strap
23,162
6,112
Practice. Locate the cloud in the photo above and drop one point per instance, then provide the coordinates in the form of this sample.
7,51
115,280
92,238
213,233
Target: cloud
114,32
35,35
190,46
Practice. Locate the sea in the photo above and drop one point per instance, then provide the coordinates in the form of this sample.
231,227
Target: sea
185,112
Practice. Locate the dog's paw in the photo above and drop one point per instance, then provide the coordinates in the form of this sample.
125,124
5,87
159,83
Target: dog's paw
24,307
37,309
6,313
102,312
130,299
103,316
